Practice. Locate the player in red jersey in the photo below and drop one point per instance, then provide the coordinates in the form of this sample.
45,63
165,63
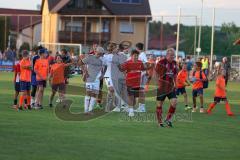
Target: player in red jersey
133,69
166,72
16,81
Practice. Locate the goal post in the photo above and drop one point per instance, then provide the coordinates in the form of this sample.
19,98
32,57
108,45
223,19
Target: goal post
58,46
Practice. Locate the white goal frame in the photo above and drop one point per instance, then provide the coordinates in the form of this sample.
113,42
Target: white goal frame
63,44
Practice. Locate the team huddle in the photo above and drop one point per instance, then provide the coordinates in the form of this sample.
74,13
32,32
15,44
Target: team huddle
128,77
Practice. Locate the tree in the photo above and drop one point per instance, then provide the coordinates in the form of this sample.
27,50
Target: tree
24,46
3,30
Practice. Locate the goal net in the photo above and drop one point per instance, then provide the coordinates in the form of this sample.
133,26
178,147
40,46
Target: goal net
235,62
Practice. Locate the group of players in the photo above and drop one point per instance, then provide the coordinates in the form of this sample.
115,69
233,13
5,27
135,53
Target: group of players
127,78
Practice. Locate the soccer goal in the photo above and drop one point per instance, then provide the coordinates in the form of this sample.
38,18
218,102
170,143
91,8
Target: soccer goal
235,61
56,47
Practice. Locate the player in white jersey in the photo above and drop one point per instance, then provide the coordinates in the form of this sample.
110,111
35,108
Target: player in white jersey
107,62
94,74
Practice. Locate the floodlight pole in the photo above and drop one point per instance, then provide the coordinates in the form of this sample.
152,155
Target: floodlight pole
200,30
212,40
178,31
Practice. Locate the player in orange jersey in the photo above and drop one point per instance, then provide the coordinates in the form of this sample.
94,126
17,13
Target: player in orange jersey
198,77
25,81
220,93
57,80
182,82
41,69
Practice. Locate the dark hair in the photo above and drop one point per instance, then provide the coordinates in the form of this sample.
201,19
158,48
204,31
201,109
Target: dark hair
199,64
64,51
134,52
20,56
139,46
121,47
25,53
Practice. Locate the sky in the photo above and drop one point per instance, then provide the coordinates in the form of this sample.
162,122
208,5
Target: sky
226,10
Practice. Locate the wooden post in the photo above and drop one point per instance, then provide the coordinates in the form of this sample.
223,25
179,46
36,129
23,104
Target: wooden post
178,32
100,32
5,33
32,29
85,30
212,40
71,34
161,35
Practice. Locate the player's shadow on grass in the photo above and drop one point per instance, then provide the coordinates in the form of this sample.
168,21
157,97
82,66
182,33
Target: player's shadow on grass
63,112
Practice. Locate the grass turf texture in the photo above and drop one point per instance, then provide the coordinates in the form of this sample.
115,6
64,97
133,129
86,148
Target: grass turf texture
40,135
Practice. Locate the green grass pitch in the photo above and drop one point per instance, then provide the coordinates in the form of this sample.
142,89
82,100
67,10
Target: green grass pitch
41,135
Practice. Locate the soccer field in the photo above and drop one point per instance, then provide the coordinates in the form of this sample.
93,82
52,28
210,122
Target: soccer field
41,135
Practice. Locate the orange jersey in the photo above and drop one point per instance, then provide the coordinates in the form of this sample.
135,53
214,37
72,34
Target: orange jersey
198,84
220,92
25,74
41,68
182,78
57,73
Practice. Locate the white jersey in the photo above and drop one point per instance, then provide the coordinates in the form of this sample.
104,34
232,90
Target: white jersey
107,61
143,57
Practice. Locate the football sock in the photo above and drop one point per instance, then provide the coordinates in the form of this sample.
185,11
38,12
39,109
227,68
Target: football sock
28,100
92,103
228,109
171,112
211,106
159,113
21,99
86,103
15,102
25,100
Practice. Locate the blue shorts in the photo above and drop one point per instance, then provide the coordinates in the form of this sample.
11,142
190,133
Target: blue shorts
25,86
42,83
33,80
197,92
180,91
17,86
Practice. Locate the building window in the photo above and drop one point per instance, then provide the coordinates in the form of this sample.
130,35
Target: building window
127,1
75,26
126,27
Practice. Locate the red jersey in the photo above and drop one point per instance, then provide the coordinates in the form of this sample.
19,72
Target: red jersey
167,72
17,72
133,72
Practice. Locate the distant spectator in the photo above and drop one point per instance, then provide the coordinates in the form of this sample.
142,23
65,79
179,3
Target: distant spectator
226,67
189,63
205,65
1,55
9,55
50,57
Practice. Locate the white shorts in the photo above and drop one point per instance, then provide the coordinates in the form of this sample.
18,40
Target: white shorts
109,82
93,86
